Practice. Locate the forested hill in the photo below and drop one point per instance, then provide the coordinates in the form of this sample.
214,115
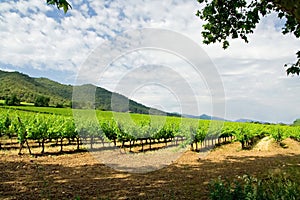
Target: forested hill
27,89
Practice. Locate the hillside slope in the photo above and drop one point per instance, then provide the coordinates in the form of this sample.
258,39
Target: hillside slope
27,89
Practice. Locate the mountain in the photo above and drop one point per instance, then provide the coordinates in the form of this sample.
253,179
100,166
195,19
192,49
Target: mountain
205,117
244,120
252,121
27,89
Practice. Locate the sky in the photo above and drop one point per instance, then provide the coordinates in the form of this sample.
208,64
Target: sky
244,81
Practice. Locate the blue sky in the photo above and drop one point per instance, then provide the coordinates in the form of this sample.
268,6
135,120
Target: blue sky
41,41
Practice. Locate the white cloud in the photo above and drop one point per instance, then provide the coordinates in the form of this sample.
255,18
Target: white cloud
36,36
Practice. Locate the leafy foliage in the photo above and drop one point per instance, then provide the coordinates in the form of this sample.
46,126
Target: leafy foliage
60,4
5,123
296,122
109,129
247,187
42,101
278,134
238,18
294,133
141,130
12,100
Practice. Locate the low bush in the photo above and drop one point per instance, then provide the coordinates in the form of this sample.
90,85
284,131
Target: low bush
247,187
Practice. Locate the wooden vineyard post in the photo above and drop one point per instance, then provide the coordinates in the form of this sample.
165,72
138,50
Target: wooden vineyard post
23,138
142,145
78,142
129,145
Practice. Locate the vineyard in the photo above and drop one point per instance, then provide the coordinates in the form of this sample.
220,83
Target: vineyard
60,167
132,132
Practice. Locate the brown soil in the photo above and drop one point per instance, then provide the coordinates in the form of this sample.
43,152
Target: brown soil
80,176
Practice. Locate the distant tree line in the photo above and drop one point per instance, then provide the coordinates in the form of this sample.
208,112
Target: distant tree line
296,122
40,101
12,100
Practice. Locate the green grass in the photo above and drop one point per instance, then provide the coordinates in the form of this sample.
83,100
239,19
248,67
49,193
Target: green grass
27,104
46,110
2,102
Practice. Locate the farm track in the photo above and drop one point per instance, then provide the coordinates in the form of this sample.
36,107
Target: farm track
68,176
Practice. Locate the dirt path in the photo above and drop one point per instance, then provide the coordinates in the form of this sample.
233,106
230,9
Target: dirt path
263,144
69,176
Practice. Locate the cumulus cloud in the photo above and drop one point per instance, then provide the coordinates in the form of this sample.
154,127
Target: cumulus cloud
35,36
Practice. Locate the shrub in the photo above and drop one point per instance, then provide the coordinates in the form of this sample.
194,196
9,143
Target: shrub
42,101
247,187
12,100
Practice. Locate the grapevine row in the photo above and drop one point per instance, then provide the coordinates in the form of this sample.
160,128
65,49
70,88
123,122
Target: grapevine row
47,127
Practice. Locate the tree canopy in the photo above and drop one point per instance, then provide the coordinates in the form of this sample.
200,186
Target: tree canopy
42,101
60,4
237,18
296,122
12,100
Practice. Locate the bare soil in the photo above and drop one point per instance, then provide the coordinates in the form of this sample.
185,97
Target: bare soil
78,175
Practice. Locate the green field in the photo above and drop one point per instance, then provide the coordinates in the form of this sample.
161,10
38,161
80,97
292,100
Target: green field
124,129
45,110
